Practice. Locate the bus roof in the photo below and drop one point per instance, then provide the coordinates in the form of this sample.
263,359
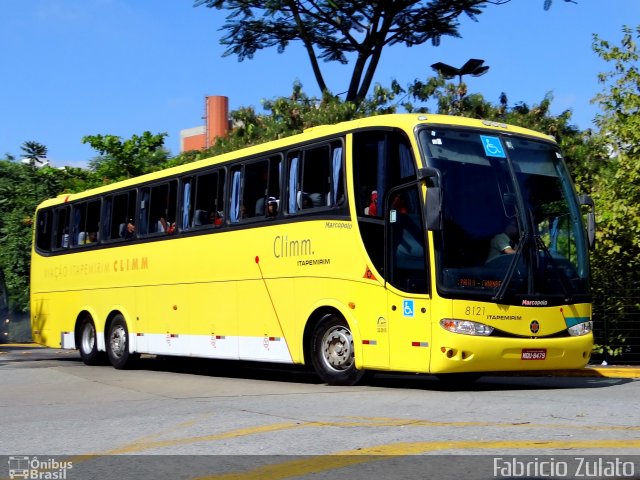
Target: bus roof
404,121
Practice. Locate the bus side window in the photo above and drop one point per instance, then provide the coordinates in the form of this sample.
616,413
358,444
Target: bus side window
43,232
315,178
254,188
267,188
62,220
122,209
382,160
86,219
202,199
158,209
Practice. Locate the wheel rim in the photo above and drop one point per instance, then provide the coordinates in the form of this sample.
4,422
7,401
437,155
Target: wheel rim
337,348
88,339
118,341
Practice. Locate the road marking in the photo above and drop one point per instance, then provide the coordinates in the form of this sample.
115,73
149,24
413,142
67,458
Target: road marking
150,442
143,444
318,464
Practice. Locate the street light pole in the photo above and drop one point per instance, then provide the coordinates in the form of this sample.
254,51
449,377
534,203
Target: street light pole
473,67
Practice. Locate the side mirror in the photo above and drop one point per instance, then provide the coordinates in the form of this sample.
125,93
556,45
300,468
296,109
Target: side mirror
591,219
433,205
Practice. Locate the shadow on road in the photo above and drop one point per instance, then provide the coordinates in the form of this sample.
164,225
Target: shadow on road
33,356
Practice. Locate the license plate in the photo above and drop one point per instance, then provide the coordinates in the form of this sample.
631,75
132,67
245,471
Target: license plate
533,354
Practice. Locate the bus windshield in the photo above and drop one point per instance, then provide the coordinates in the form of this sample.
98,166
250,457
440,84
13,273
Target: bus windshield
512,228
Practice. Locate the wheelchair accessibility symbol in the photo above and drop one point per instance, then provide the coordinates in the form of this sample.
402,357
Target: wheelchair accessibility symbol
407,308
492,146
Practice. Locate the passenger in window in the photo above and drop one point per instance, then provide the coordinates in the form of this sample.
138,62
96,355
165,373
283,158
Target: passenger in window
272,207
92,237
372,209
167,227
216,218
306,201
130,229
398,204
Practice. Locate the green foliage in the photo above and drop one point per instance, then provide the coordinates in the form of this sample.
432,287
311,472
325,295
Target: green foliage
618,181
129,158
616,185
22,188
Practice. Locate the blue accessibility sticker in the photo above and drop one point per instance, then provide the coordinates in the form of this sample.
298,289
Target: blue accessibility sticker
407,308
492,146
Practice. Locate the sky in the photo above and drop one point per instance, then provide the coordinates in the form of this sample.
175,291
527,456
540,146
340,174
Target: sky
70,68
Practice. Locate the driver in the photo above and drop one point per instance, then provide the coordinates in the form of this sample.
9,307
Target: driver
504,243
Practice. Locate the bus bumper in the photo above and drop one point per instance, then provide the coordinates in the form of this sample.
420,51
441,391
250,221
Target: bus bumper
455,353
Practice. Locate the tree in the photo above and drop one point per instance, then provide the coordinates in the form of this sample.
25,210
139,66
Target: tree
331,30
619,122
22,188
129,158
616,263
35,152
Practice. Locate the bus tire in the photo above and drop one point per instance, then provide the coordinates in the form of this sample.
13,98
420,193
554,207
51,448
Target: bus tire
87,343
118,344
332,352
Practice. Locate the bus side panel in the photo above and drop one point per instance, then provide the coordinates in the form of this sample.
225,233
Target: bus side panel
259,326
212,324
42,329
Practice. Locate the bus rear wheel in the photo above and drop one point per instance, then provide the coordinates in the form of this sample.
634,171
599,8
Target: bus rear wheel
118,344
88,344
332,352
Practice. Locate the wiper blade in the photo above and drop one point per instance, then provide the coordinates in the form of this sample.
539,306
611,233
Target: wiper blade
541,245
524,240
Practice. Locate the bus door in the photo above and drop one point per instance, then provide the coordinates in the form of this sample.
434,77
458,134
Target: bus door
407,281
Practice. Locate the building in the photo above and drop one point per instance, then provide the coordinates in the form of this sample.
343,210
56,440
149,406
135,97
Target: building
216,118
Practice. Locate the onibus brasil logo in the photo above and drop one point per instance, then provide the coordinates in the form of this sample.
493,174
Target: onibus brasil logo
38,469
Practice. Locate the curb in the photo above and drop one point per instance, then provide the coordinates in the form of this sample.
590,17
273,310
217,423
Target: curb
604,371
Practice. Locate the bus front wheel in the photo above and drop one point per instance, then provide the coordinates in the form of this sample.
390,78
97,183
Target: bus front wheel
333,353
88,345
118,344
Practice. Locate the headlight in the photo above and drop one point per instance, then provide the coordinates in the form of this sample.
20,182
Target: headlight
580,329
466,327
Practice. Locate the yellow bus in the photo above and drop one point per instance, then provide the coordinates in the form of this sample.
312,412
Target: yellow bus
408,243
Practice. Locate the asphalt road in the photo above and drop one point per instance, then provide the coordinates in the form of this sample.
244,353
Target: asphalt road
208,419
